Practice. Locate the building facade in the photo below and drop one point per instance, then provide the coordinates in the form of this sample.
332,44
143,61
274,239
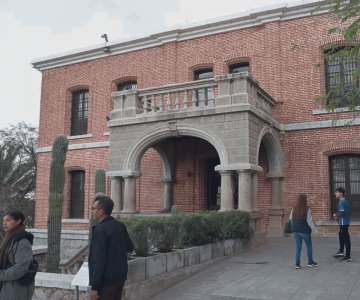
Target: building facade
215,116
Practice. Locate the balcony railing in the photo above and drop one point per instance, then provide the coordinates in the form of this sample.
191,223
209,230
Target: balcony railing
229,90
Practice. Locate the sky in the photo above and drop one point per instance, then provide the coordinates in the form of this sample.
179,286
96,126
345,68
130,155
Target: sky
31,29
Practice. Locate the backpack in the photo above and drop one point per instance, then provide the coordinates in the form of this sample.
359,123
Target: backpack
29,277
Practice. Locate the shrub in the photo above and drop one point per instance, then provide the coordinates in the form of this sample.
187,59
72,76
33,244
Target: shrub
180,230
139,233
164,232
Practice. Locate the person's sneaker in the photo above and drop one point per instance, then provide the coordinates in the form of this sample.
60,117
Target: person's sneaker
313,264
339,255
297,266
346,259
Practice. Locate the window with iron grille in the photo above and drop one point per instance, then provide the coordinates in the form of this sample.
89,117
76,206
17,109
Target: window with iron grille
239,68
127,85
77,194
79,112
342,86
204,94
345,172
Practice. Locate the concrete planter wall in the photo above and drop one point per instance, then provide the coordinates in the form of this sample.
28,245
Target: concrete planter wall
149,276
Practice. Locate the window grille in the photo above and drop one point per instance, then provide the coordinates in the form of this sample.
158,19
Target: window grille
206,94
345,172
77,194
79,112
239,68
341,83
127,85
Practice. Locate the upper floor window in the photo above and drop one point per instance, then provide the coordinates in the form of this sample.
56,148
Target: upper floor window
206,93
341,82
239,68
203,74
79,112
127,85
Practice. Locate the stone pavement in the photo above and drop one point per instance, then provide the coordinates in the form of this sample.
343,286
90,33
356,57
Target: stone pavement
268,273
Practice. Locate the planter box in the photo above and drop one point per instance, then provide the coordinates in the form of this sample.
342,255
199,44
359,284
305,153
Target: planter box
155,265
229,246
218,250
136,271
206,252
192,256
175,261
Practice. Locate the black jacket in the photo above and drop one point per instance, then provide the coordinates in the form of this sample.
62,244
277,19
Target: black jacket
108,253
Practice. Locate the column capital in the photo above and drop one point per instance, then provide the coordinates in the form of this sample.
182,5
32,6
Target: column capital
124,174
239,166
166,179
275,175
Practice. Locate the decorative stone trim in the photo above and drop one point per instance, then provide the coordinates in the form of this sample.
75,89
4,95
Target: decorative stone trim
341,147
82,136
322,124
104,144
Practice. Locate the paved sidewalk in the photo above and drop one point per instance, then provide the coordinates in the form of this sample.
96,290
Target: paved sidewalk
268,273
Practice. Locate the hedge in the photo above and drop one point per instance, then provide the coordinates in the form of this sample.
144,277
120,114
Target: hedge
185,230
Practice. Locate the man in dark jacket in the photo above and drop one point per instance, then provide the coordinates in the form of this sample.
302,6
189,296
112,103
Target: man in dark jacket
110,244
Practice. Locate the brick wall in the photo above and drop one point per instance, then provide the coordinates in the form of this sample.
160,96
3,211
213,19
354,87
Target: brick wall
283,58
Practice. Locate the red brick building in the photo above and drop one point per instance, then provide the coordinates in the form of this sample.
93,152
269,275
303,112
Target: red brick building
214,116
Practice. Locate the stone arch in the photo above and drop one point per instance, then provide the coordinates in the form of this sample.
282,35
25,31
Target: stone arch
165,162
273,149
154,135
271,141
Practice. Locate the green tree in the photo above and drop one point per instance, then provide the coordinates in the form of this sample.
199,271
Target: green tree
343,86
18,169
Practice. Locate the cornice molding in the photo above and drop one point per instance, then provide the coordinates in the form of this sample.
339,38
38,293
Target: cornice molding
252,18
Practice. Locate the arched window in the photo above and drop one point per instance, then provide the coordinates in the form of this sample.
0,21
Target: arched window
79,112
341,83
345,172
127,85
77,194
239,67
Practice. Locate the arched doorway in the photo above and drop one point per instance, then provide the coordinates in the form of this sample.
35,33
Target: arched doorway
180,171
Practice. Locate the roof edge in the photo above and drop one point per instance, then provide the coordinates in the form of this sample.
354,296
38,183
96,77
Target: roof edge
252,18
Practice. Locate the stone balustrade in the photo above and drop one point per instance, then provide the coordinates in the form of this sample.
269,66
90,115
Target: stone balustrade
232,90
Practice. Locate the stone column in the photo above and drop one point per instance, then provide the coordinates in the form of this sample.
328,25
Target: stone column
130,195
116,193
276,213
255,203
227,202
167,194
245,190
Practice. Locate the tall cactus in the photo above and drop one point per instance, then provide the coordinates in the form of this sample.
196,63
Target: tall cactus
100,181
57,178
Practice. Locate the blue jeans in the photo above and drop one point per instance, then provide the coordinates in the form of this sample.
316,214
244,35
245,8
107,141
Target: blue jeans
298,243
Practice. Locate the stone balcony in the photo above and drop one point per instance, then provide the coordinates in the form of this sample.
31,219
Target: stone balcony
222,94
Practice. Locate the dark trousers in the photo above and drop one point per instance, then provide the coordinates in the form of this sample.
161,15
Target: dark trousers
111,291
344,239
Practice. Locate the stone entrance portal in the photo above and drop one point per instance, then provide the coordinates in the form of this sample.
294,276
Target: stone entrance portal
235,123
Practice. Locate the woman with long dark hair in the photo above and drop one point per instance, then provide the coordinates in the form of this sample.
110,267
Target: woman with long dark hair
302,227
15,258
